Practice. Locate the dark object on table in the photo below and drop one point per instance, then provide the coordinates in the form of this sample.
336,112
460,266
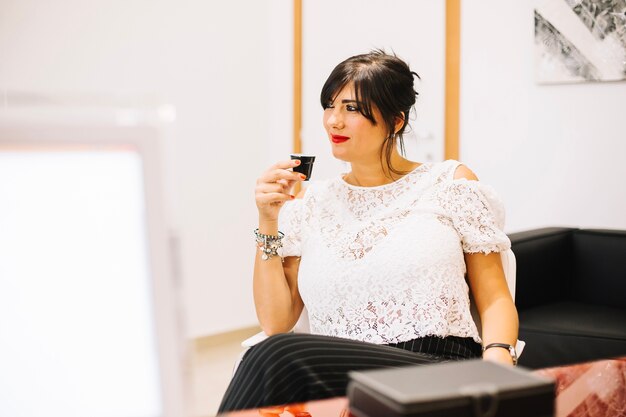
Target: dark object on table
470,388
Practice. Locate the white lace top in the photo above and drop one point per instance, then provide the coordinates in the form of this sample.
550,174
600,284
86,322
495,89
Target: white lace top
385,264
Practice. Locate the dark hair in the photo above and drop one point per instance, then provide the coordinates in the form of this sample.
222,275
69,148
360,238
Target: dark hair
382,80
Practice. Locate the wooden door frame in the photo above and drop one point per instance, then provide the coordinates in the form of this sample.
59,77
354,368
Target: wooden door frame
452,80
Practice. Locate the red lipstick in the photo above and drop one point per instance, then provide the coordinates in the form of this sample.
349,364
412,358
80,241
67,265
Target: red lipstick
339,138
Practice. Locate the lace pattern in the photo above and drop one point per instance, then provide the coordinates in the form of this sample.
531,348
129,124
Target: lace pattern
477,214
385,264
290,219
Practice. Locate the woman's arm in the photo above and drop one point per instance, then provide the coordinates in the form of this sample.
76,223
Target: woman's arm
276,297
275,283
493,302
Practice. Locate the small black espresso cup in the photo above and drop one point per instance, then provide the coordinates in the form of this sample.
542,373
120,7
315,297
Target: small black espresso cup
306,164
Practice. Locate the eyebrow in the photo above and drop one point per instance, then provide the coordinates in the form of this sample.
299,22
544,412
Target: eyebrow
349,101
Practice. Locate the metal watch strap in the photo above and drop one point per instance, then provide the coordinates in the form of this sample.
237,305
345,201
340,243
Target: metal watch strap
506,346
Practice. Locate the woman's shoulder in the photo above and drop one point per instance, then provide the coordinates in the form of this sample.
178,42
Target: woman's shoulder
463,172
462,190
451,169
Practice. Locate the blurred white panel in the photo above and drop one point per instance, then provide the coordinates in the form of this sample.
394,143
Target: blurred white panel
77,333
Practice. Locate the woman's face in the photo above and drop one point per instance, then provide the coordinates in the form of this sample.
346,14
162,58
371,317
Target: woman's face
353,137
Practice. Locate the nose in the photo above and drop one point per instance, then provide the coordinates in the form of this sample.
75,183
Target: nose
333,118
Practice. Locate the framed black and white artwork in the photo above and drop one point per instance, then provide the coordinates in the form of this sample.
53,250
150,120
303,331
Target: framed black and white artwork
580,40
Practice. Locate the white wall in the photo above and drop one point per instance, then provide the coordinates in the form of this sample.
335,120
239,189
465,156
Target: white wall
280,95
554,152
211,60
335,30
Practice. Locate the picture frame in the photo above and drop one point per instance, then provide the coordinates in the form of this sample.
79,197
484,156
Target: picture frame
580,41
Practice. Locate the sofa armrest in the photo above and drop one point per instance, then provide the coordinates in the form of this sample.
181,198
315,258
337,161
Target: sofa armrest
544,265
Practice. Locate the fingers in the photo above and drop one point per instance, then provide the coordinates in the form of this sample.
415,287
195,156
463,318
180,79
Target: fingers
264,199
286,164
274,186
282,171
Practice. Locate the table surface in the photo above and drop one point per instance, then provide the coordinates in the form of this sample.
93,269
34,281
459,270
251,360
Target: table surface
591,389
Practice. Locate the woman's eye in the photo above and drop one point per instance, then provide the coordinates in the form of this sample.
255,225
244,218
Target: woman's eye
328,106
351,108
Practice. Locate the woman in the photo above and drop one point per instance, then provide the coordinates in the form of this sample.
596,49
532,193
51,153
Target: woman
379,255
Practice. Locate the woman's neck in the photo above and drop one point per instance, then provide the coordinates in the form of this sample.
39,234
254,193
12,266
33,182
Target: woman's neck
379,173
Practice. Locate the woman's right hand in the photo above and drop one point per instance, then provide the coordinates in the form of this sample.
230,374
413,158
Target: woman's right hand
274,187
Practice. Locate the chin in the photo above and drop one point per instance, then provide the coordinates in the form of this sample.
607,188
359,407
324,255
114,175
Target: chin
340,156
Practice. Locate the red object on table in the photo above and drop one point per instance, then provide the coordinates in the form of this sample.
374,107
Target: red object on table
333,407
591,389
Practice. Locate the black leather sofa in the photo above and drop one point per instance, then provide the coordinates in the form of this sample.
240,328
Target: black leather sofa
570,295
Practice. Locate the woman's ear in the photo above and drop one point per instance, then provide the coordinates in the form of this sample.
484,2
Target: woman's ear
399,123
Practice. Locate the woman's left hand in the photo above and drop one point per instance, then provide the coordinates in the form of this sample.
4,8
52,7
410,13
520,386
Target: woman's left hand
499,355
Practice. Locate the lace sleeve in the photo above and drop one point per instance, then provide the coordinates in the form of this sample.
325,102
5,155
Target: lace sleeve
477,214
290,223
